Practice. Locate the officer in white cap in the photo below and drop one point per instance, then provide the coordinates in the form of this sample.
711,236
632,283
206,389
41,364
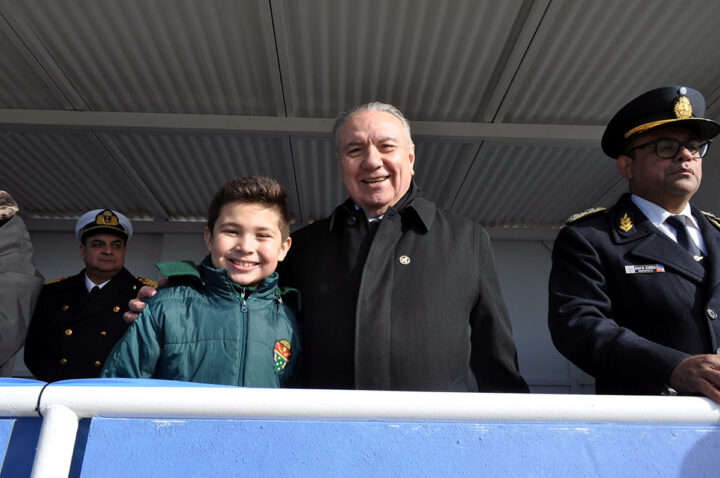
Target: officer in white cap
78,319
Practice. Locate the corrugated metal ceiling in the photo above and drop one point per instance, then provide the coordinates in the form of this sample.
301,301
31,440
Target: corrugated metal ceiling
535,62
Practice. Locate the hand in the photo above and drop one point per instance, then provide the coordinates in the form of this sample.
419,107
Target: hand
137,305
698,374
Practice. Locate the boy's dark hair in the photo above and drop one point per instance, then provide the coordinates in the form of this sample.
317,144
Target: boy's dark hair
256,190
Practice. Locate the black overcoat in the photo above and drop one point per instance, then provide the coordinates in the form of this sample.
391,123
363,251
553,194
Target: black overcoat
627,303
72,333
424,311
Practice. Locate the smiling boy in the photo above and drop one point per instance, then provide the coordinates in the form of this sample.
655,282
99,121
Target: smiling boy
224,321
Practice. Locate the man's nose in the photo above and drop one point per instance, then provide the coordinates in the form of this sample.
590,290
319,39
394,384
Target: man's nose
684,154
373,159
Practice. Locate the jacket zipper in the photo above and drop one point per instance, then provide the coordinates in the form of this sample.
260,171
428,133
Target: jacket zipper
243,341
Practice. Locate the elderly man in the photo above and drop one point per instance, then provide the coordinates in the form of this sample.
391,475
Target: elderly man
634,297
396,294
20,283
78,319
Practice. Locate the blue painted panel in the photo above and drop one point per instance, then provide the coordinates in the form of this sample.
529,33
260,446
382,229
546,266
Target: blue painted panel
19,438
195,448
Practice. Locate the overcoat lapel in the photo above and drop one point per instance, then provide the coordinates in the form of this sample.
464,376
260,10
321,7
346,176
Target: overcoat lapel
652,246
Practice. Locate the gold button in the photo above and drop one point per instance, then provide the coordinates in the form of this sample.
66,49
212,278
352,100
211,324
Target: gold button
134,287
63,361
68,331
116,309
65,307
103,333
98,363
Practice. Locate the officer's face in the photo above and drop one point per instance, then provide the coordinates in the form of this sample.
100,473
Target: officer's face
104,255
246,240
376,160
670,182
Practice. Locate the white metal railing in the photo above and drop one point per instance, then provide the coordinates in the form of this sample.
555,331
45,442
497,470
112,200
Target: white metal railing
63,404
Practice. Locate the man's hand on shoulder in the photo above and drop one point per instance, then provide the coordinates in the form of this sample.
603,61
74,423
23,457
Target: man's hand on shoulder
137,304
698,374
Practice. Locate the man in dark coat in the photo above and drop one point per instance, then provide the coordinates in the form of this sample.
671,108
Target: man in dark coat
78,319
397,294
634,290
20,283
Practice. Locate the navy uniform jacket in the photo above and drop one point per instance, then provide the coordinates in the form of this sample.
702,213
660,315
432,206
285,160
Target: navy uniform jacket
72,333
627,303
424,311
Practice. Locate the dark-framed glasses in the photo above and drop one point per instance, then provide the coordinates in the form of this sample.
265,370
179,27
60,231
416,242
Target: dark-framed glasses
667,148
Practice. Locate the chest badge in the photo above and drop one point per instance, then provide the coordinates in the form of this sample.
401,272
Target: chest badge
625,223
645,269
281,355
404,260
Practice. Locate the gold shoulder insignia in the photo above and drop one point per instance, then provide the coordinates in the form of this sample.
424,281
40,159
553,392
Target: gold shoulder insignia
56,280
585,213
150,282
713,218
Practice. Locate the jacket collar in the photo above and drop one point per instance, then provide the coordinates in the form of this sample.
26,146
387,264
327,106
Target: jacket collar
628,224
413,207
218,280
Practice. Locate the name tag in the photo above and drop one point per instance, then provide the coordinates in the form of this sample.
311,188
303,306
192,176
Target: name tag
645,269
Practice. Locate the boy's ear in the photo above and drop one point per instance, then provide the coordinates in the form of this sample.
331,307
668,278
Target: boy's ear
208,239
284,248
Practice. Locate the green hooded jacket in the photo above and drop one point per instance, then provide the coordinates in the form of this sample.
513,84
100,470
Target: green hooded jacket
203,328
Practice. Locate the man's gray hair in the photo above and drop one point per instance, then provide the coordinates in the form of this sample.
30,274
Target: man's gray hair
372,106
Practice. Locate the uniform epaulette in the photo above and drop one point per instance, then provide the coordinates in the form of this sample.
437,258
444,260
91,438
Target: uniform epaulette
586,213
54,281
713,218
150,282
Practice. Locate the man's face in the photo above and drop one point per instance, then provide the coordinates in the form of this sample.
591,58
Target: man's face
669,182
376,160
103,255
246,240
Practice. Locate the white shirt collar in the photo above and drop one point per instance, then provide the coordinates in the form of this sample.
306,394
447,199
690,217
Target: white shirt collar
657,214
90,284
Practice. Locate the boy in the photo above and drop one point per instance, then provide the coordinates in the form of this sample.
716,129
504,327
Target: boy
223,321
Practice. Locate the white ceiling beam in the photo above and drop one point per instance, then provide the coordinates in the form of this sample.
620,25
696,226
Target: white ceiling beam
539,134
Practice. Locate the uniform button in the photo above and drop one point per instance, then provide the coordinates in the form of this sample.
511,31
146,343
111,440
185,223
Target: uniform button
63,361
711,313
103,333
68,331
98,363
116,309
65,307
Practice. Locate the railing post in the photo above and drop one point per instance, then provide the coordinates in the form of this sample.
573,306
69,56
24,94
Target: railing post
56,443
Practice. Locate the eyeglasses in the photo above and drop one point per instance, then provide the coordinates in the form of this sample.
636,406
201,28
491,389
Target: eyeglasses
667,148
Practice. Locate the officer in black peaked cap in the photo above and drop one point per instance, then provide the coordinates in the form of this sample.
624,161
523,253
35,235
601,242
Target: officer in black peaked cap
635,289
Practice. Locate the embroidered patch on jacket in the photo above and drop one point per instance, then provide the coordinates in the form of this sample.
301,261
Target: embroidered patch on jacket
281,356
645,269
585,213
625,223
713,218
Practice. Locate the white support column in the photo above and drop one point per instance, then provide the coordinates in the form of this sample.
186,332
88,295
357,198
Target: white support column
56,443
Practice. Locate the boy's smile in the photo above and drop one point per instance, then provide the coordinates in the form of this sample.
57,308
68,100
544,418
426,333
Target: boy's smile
246,240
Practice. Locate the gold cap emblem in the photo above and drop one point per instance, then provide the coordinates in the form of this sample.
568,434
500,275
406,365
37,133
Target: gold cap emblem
683,108
106,218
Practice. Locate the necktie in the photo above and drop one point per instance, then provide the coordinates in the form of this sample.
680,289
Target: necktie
94,291
679,223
